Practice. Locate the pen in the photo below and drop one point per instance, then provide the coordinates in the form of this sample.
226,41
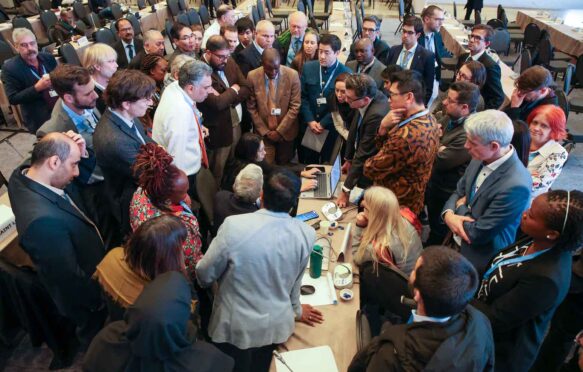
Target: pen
280,358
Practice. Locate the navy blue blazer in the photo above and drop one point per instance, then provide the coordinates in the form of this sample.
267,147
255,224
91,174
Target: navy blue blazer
311,89
249,58
63,244
440,51
496,208
116,147
19,87
423,62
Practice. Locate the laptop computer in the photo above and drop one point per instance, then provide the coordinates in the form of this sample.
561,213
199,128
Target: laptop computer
327,183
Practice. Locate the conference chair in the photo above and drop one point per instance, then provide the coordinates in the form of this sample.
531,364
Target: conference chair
495,23
255,14
79,10
500,41
575,133
173,7
277,22
193,17
182,6
142,4
104,35
205,17
44,4
135,23
183,18
70,54
6,52
112,28
22,22
48,19
116,11
167,28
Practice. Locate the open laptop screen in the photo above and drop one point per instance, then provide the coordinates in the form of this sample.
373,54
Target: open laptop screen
335,175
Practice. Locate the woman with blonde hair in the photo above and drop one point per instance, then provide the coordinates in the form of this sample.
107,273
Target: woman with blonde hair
101,61
384,232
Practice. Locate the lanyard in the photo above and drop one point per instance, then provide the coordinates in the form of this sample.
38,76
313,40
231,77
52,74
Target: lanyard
512,261
419,114
327,81
186,207
35,74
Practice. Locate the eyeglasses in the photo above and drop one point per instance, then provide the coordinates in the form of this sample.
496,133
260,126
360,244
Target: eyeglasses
438,19
450,100
410,33
476,37
391,94
186,37
366,29
350,100
222,58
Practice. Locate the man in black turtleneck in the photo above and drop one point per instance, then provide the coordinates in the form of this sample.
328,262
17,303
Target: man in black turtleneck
452,157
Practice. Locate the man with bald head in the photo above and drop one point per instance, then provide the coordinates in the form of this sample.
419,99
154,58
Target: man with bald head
366,62
250,58
292,39
153,44
54,229
275,114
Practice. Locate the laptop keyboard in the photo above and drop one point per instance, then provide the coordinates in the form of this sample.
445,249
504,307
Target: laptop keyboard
322,190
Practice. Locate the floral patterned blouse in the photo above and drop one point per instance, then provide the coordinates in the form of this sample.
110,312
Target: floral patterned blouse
142,209
545,165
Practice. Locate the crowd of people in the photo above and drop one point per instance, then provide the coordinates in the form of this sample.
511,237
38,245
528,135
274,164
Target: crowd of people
135,144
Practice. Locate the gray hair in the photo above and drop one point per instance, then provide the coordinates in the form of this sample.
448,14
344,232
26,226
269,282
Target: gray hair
178,62
193,72
490,126
21,32
150,35
249,183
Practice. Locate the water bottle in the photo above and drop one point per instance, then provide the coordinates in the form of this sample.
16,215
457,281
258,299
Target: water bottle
316,262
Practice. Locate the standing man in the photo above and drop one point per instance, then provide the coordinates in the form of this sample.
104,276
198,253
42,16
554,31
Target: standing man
372,105
248,321
534,87
479,40
26,80
250,58
127,47
371,29
366,62
485,209
118,137
222,110
153,44
412,56
230,34
178,123
183,37
431,40
225,17
452,157
408,139
246,34
291,40
317,84
53,228
274,105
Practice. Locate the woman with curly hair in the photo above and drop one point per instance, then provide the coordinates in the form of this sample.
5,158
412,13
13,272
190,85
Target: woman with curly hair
526,282
163,190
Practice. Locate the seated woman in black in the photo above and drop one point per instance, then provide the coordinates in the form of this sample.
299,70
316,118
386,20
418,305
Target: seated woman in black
528,280
156,335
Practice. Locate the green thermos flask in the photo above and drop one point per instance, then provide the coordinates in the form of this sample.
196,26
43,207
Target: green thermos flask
316,262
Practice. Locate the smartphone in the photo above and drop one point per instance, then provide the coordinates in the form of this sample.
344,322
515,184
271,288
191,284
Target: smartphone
307,216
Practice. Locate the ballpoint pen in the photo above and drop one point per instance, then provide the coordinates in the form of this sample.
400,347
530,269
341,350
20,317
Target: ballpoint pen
280,358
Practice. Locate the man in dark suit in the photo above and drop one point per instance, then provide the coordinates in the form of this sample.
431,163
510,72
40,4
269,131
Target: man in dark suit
366,62
222,110
485,209
127,47
492,90
452,157
412,56
533,88
372,105
246,34
371,29
118,137
430,39
274,105
153,44
250,58
26,80
54,230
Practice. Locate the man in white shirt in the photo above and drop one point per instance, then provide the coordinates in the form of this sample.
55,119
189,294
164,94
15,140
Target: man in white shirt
177,122
485,209
230,34
225,17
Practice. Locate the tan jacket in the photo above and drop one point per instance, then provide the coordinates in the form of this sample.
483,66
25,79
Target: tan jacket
288,100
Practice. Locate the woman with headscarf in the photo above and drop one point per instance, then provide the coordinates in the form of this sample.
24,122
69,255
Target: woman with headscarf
156,335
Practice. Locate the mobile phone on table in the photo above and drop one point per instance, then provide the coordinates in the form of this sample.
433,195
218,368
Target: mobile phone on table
307,216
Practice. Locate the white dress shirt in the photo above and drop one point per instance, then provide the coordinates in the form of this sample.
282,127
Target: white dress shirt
214,29
488,169
176,129
402,55
125,48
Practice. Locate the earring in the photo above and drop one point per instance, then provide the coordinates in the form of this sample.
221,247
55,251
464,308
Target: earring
548,236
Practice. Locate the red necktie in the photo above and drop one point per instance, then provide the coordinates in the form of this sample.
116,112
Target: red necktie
204,158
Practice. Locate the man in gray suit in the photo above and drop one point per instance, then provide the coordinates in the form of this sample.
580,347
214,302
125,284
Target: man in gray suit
366,62
118,137
484,211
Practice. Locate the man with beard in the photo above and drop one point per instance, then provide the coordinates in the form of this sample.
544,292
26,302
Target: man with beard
222,110
371,29
26,80
430,39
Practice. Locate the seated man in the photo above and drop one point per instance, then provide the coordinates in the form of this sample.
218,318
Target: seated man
408,139
153,44
250,58
533,88
244,198
66,29
371,29
445,332
249,320
274,105
127,46
54,229
366,62
485,209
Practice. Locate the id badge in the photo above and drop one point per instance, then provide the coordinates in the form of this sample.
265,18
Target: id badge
275,111
53,93
321,101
